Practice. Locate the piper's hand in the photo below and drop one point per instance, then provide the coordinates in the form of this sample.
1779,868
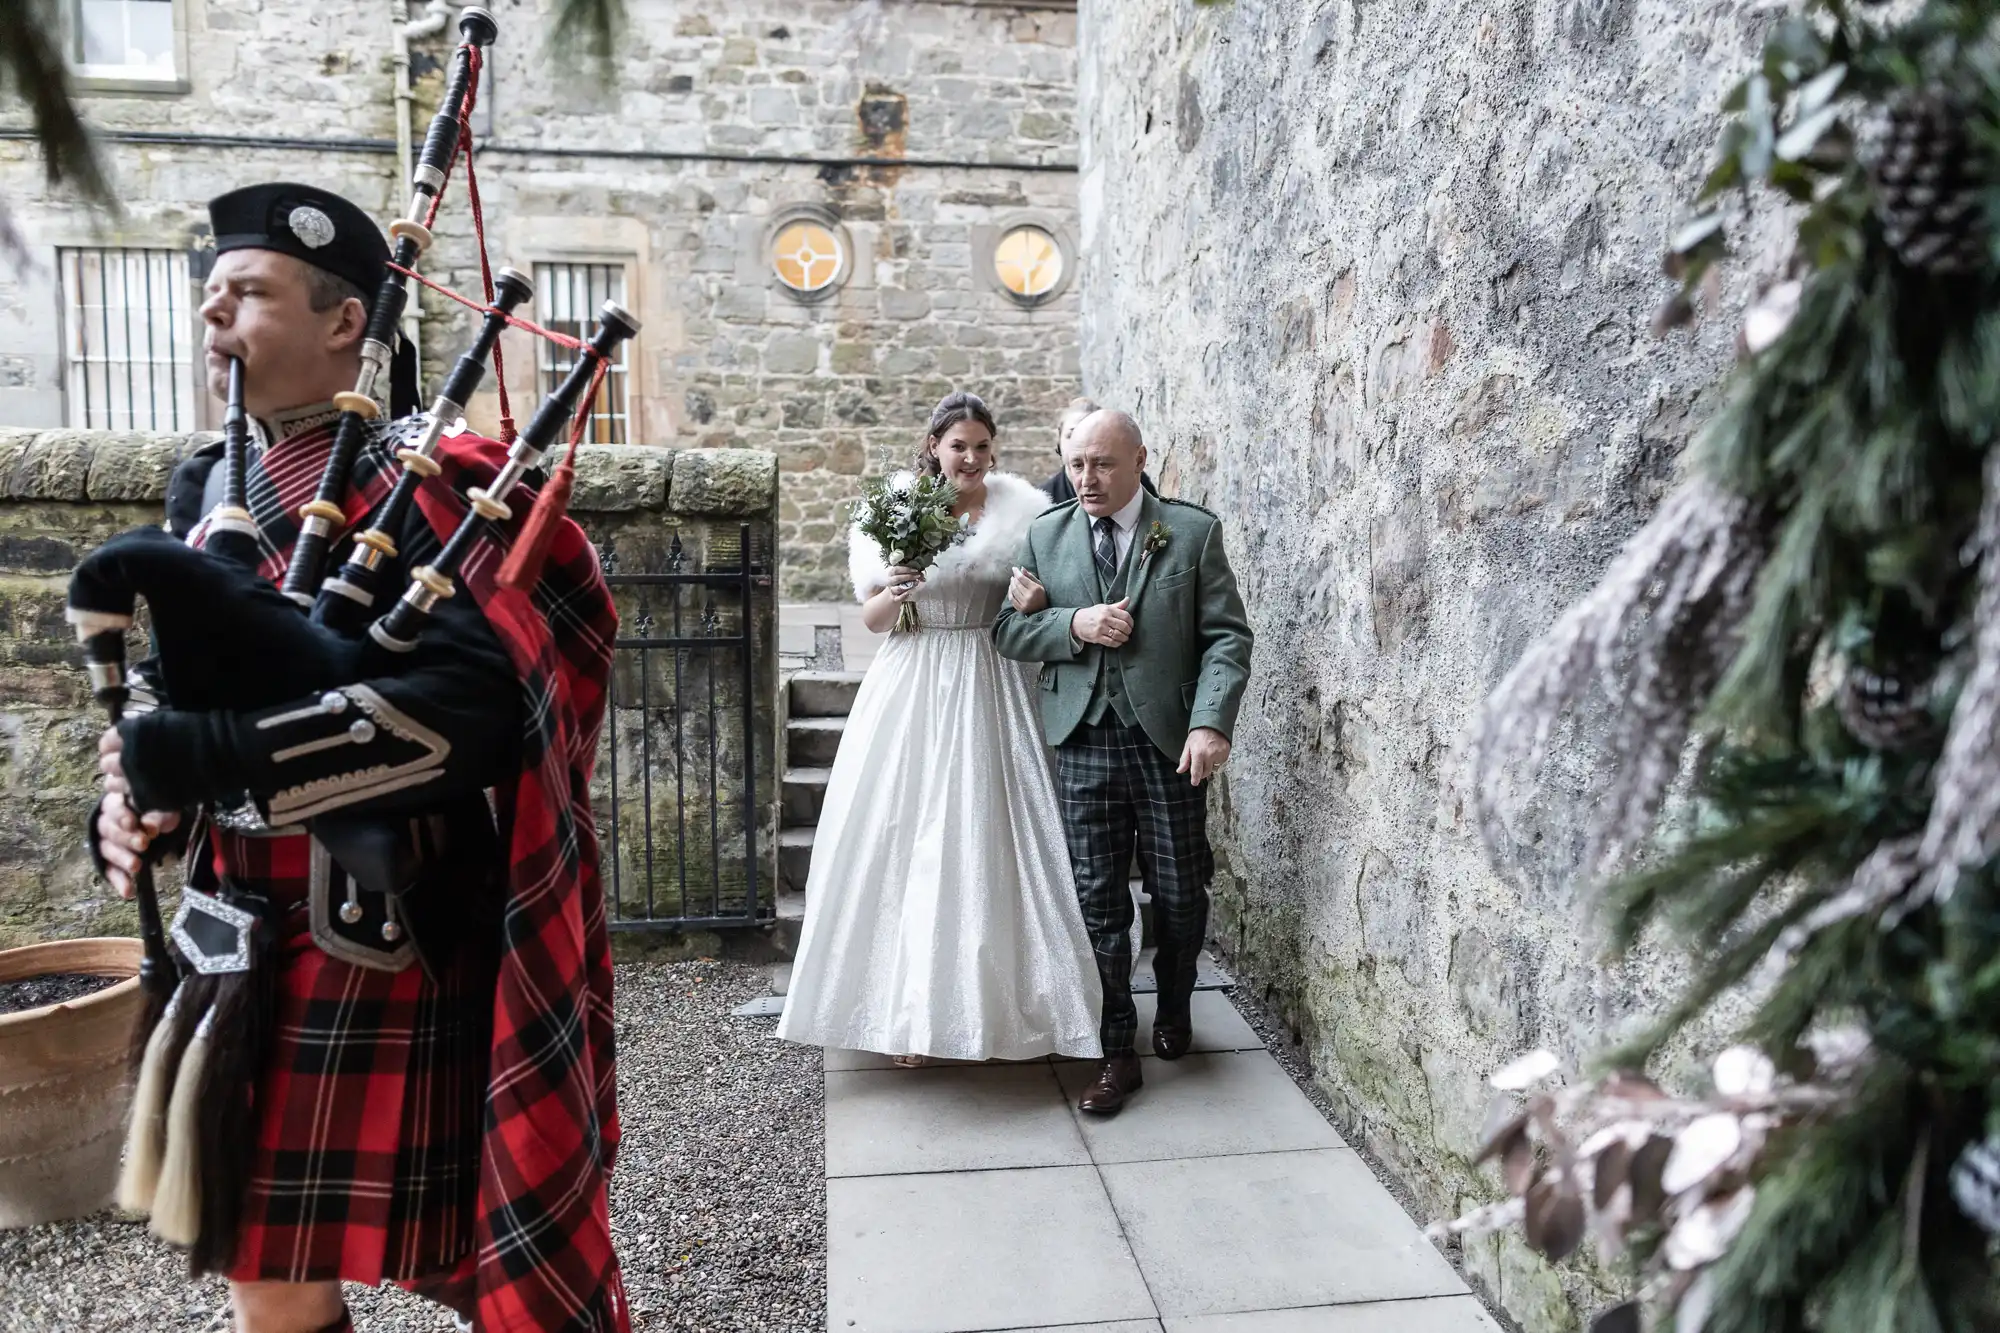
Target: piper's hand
903,581
1206,751
1106,626
111,761
123,838
1026,592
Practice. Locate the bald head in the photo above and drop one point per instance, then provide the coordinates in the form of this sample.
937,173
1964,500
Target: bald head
1105,457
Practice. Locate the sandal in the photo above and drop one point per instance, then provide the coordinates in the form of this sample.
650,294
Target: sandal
910,1061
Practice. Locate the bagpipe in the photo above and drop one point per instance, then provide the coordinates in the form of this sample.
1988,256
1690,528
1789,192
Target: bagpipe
224,637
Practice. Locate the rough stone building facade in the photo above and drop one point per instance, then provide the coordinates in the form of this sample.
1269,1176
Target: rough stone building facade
1376,280
917,136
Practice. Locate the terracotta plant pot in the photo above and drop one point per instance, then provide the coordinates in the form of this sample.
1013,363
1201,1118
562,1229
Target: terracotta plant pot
64,1085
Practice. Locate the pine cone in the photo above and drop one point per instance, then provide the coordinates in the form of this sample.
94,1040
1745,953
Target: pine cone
1975,1183
1882,712
1926,192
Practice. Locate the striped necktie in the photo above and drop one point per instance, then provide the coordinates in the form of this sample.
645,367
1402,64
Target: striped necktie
1106,548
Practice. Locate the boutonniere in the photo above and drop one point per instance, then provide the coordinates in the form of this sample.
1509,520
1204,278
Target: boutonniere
1156,541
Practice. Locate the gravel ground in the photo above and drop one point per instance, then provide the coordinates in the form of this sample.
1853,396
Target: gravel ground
719,1201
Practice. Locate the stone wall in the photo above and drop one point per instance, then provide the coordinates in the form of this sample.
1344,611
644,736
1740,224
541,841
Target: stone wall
62,492
1376,280
922,128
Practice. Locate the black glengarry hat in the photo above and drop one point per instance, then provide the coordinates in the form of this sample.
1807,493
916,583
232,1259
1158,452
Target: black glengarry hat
312,225
319,228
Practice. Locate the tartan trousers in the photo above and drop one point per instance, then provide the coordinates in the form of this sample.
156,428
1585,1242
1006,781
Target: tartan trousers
1116,787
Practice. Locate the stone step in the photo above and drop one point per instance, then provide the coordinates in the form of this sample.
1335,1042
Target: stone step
795,854
824,693
803,796
812,742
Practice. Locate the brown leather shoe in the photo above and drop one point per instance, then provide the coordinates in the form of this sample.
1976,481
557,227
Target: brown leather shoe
1117,1079
1171,1040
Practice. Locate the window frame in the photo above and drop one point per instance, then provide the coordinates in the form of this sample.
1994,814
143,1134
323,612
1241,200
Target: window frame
550,364
818,215
183,379
128,79
986,238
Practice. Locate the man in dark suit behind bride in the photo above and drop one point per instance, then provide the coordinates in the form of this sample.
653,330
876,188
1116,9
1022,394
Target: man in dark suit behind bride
1057,487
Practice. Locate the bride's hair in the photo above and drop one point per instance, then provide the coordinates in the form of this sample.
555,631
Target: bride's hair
953,408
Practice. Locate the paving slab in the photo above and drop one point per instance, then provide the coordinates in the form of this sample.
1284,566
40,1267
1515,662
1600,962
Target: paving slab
1200,1106
1271,1231
1121,1326
948,1118
1217,1024
977,1250
1440,1314
1209,974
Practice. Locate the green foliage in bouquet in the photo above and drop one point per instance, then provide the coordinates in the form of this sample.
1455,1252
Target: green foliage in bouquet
910,518
1816,609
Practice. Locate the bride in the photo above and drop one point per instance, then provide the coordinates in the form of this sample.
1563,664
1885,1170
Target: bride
941,915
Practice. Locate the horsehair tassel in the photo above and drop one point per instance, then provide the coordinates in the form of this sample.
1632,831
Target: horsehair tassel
146,1131
411,236
177,1202
397,631
345,597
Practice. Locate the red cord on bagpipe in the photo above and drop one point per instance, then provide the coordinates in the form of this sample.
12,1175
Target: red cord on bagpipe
524,562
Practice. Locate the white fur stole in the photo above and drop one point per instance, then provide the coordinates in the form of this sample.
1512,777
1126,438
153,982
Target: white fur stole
993,549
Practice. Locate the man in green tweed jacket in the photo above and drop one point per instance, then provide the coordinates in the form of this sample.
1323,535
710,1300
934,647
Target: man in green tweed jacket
1134,612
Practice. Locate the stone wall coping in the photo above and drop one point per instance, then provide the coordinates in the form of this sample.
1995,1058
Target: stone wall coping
105,467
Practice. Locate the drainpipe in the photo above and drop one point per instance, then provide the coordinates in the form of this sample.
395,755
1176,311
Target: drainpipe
437,13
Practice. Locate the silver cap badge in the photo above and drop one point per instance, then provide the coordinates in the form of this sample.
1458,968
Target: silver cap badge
312,227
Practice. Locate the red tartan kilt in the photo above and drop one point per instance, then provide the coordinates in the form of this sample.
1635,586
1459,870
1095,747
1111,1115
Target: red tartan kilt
370,1106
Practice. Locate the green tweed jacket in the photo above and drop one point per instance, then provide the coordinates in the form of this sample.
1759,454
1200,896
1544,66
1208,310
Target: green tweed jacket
1188,659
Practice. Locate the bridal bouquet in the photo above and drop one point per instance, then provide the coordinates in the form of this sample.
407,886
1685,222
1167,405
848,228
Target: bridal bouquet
910,518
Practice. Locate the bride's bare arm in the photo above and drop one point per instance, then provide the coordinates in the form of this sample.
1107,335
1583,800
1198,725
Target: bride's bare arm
879,612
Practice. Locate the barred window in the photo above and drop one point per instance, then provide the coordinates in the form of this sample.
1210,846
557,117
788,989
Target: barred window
568,297
128,339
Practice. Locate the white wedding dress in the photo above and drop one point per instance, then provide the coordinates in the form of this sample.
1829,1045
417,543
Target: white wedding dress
941,916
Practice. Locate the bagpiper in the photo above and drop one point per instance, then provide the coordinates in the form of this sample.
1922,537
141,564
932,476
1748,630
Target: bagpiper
428,1088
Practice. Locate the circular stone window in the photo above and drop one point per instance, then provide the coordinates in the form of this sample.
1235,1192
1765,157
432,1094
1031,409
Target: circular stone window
808,256
1029,263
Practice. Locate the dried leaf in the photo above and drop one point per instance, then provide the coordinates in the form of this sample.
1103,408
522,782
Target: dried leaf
1517,1164
1618,1319
1820,89
1700,1151
1648,1164
1613,1169
1703,1236
1690,237
1504,1120
1800,139
1765,322
1555,1220
1691,1312
1526,1071
1673,312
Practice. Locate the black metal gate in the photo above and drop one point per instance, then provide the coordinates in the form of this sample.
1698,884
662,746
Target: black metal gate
679,782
